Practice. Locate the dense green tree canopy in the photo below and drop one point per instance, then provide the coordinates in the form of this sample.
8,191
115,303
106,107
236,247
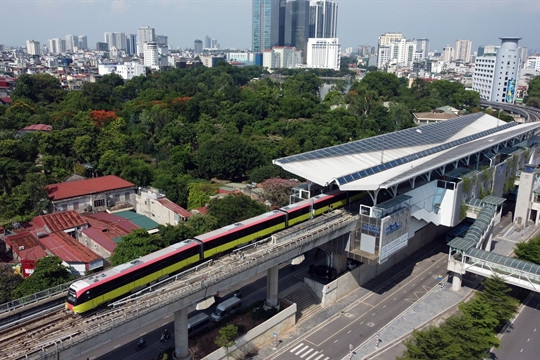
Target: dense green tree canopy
9,281
529,251
234,208
49,272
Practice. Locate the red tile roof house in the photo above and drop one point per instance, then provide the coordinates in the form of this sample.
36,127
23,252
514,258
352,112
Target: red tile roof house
54,234
91,195
104,229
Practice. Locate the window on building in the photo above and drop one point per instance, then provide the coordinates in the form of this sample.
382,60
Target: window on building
99,202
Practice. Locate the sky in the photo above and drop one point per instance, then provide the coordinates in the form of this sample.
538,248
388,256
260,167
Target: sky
360,22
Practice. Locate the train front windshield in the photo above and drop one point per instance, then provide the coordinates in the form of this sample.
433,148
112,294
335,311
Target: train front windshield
72,297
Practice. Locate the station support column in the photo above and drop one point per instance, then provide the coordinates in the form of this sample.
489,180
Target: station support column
456,281
181,351
272,278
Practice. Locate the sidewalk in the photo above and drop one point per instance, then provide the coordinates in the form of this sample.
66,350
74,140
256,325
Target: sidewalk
433,308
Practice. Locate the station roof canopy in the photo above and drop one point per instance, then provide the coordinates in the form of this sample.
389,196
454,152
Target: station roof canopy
386,160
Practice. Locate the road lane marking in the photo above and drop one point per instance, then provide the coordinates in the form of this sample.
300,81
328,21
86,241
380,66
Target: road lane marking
296,347
302,350
307,352
312,355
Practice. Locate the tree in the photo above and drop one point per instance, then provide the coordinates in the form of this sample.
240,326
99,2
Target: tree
277,191
9,281
431,343
495,293
234,208
134,245
529,251
227,157
226,337
9,174
49,272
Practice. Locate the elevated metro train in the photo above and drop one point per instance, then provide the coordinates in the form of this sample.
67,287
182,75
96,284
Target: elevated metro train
111,284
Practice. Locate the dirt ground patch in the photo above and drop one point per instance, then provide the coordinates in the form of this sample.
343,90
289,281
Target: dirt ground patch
204,344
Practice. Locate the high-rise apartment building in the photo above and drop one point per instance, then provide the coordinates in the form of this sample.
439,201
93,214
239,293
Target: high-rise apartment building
72,42
495,75
447,53
83,42
33,47
198,47
116,40
388,38
422,47
144,34
268,18
323,19
462,51
394,48
323,53
56,45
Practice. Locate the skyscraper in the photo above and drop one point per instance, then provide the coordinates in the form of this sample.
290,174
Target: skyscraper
323,19
267,22
495,75
57,46
462,51
297,24
197,46
131,44
144,34
33,47
116,40
83,42
72,42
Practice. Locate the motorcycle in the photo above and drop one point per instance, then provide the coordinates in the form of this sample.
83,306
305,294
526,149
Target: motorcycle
140,344
165,335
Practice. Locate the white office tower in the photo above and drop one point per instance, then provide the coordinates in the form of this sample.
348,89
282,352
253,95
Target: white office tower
462,51
32,47
83,42
323,53
323,19
57,46
495,75
144,34
151,54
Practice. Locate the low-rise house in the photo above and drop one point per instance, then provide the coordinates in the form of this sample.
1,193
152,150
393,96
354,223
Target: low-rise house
91,195
153,204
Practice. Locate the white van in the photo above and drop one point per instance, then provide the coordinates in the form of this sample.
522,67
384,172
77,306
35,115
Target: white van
198,323
226,308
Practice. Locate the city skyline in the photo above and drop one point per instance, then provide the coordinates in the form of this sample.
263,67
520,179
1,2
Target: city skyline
360,22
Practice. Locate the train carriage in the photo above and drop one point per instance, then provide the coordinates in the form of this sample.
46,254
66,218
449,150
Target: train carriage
103,287
231,236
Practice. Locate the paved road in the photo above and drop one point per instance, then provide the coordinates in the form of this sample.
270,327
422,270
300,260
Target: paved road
358,317
521,341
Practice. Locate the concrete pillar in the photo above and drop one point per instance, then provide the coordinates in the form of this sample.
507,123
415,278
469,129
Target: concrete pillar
181,351
338,262
272,278
456,281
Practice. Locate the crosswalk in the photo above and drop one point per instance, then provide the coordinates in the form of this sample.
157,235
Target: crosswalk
307,353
